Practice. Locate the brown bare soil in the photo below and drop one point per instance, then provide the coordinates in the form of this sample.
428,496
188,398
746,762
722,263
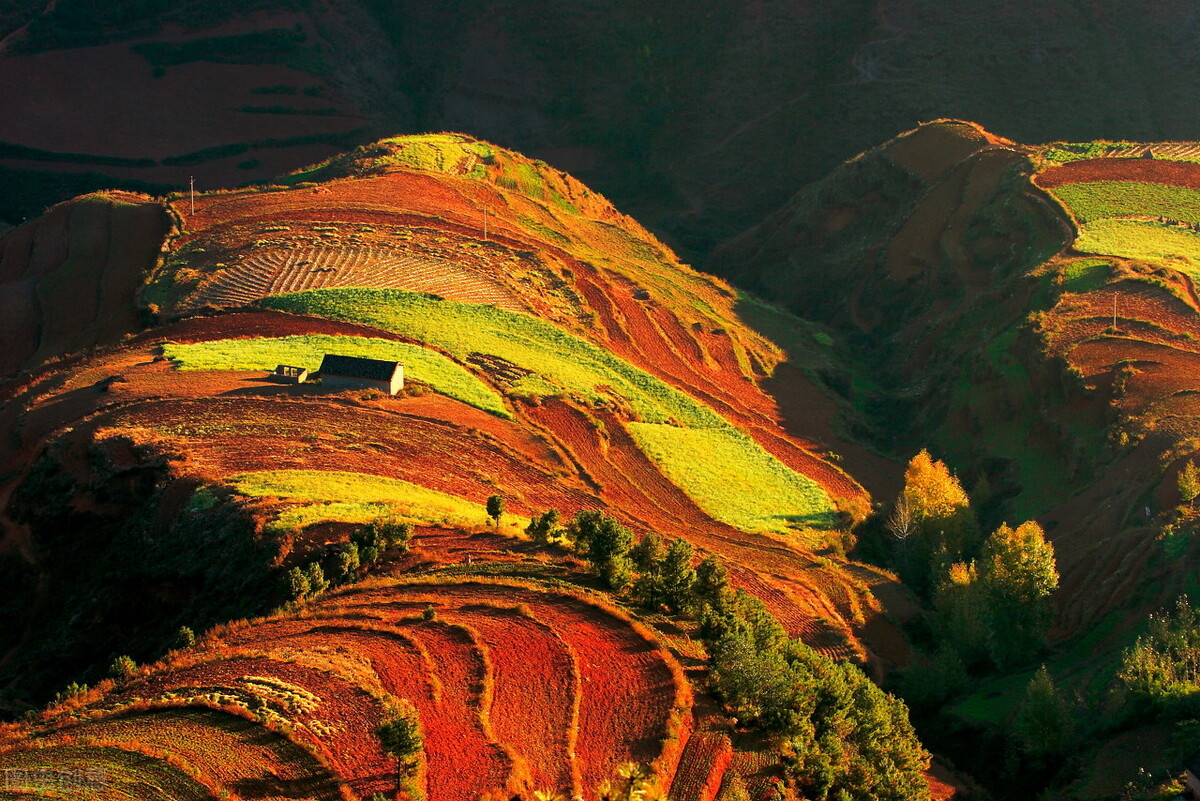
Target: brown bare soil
1151,171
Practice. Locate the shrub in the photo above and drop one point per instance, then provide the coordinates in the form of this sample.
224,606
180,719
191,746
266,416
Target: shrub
542,529
317,583
123,667
297,583
185,638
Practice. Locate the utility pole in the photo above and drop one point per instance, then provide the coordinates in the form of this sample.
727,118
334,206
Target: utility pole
192,191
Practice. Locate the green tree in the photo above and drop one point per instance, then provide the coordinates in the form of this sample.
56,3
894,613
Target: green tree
542,528
1043,723
400,735
495,508
1019,579
317,583
1189,483
712,582
348,561
678,576
1162,669
123,668
185,638
647,559
606,544
959,617
298,586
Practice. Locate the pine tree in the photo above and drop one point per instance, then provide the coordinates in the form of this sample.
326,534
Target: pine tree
678,576
400,735
1043,723
647,559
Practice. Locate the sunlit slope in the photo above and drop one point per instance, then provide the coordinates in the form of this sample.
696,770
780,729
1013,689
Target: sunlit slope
1029,312
555,355
518,685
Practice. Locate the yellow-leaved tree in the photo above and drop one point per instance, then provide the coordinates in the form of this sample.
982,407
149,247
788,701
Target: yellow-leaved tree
932,520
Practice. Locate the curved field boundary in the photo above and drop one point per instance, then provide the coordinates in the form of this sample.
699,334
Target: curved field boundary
1096,200
439,669
535,695
97,773
632,690
1175,173
228,750
341,725
577,366
227,436
264,353
277,272
702,767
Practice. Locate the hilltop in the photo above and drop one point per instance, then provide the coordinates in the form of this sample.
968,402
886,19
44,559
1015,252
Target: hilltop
1029,312
235,565
556,356
698,120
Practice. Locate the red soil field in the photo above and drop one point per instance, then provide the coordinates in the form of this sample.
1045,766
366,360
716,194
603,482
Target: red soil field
702,768
1153,171
627,690
428,678
67,278
228,750
349,746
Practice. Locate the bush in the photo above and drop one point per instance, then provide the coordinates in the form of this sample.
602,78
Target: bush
122,668
542,528
185,638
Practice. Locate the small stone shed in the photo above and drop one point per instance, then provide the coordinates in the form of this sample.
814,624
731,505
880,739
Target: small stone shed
289,374
362,373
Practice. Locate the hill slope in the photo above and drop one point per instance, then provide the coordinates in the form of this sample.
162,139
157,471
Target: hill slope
556,355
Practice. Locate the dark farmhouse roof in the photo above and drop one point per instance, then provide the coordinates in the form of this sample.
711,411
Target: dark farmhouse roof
358,367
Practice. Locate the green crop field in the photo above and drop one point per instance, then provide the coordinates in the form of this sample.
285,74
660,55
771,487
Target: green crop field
1085,275
1097,200
261,353
325,495
733,479
758,493
1167,245
565,361
1063,152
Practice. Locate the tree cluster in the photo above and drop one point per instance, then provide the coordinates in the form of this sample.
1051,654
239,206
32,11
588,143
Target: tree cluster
843,737
1000,607
367,546
1161,672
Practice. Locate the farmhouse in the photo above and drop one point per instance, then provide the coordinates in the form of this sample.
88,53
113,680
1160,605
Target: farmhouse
289,374
355,371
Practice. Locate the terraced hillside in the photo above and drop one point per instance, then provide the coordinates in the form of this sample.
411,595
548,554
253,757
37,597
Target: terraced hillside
557,357
1031,310
1032,313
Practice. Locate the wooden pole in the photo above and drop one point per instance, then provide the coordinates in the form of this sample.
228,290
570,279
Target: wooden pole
192,191
485,237
1114,312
